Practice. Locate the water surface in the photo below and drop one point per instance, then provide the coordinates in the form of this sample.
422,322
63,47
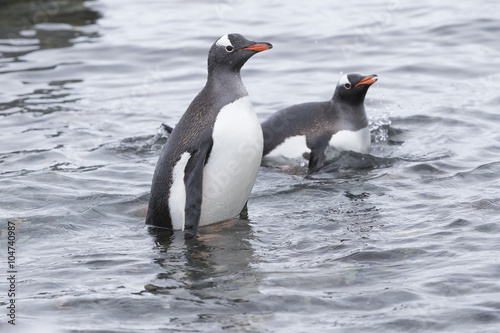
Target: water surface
405,239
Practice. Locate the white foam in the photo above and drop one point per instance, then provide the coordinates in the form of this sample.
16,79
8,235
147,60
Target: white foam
177,196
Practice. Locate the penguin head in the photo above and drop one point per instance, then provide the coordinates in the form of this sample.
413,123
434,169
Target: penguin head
352,87
232,51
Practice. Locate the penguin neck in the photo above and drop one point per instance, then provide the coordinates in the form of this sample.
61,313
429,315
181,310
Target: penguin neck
227,82
350,112
354,101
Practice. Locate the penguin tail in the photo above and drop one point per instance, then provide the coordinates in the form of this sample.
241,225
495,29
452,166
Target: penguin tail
167,128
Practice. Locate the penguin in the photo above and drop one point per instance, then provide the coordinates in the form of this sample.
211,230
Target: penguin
208,166
307,130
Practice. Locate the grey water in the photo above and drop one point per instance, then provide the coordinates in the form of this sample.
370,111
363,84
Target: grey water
404,239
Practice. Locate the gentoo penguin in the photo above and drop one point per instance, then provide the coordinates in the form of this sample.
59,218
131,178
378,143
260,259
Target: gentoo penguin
208,166
307,130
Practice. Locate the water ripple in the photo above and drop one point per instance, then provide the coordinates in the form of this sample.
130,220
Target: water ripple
402,239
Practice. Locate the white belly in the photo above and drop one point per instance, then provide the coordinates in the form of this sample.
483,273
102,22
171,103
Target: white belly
292,147
358,141
234,162
295,147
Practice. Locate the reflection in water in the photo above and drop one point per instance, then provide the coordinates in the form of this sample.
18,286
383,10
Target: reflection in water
27,26
402,240
213,270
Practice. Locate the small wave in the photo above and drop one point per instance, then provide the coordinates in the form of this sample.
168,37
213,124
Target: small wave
398,254
425,169
353,161
485,173
143,145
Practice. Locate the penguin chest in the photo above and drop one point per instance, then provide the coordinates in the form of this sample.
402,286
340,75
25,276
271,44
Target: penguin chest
231,170
358,141
291,147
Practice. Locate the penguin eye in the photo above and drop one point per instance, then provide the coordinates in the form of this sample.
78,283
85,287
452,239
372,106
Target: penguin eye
229,48
347,86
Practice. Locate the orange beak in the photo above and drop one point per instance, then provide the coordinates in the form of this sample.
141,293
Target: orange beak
368,80
258,47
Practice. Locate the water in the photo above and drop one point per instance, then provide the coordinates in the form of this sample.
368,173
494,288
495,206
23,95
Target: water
402,240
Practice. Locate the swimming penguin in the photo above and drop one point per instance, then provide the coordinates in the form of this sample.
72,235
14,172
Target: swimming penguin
307,130
208,166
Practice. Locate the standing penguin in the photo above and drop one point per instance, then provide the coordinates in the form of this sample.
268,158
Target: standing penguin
208,166
307,130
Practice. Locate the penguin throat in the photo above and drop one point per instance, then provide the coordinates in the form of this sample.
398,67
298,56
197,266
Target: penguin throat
354,101
225,78
215,68
227,86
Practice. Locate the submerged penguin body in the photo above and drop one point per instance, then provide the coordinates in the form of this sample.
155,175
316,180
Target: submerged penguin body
307,130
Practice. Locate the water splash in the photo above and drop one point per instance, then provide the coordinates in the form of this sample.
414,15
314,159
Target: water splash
379,127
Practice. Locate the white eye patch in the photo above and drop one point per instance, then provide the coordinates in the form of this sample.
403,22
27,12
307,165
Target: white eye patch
343,80
224,41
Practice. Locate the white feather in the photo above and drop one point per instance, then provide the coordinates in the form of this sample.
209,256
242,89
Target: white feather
292,147
234,162
177,195
343,80
295,147
224,41
358,141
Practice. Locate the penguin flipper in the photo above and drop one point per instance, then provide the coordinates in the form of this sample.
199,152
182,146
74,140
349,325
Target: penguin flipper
317,144
194,189
316,158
